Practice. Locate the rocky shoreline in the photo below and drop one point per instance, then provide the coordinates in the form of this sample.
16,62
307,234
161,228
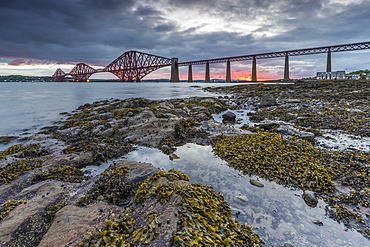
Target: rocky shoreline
315,136
47,200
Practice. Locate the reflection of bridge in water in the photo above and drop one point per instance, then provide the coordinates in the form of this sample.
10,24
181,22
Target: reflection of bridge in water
135,65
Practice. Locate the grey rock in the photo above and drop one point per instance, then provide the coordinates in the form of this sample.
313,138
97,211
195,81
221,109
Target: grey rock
290,130
292,101
268,125
310,198
228,117
256,183
242,198
268,100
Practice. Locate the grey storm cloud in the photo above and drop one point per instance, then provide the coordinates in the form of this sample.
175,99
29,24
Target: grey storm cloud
98,31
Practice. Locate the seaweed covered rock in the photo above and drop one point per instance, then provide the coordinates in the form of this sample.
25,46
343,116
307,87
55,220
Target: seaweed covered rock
170,211
26,224
287,161
184,131
45,212
19,175
73,224
116,185
268,100
334,105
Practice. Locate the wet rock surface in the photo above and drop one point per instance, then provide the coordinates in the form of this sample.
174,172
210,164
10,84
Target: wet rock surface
47,200
327,114
310,199
228,117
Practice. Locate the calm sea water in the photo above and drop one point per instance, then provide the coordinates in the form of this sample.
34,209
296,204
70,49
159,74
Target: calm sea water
26,107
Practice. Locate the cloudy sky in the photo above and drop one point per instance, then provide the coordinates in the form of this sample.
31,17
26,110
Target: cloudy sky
39,36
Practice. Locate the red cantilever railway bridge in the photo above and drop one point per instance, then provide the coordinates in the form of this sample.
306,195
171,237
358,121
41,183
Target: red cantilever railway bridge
135,65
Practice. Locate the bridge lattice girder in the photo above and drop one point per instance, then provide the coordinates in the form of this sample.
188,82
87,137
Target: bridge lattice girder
59,75
134,65
308,51
82,72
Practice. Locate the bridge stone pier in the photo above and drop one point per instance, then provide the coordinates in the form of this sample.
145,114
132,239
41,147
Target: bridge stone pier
254,69
328,61
286,67
228,71
190,73
286,54
208,74
175,70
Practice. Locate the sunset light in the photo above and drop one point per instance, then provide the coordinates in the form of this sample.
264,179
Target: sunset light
184,123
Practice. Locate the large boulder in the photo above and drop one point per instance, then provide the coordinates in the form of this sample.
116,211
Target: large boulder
267,100
228,117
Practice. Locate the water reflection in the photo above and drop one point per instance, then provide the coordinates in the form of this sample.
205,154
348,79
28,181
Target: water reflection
279,215
30,106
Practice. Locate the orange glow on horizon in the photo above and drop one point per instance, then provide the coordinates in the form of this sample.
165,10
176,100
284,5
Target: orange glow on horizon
245,78
234,78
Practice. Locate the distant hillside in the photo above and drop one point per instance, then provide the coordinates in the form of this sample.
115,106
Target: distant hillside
360,72
21,78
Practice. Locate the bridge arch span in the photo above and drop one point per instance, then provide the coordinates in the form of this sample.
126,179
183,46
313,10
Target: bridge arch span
59,75
134,65
82,72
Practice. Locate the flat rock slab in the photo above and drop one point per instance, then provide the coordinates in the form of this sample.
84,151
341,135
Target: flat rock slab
28,222
72,224
49,216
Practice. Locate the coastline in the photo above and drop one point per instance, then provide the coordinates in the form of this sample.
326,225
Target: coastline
108,129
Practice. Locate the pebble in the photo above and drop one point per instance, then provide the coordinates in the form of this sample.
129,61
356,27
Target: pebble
174,157
325,233
313,239
339,241
256,183
242,198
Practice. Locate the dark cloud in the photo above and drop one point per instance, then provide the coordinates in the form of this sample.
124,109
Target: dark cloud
98,31
18,62
165,27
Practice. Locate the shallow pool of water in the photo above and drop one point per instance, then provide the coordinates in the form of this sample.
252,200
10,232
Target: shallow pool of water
278,214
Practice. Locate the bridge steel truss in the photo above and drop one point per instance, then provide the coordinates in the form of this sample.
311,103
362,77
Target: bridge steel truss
134,65
130,66
82,72
59,75
286,54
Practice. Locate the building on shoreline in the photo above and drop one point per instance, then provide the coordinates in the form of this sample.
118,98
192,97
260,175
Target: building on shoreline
341,75
335,75
353,77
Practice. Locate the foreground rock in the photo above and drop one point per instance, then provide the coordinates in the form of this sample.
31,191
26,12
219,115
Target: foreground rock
162,212
283,128
267,100
129,203
278,149
228,117
47,200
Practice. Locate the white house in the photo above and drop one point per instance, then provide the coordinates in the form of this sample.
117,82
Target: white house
335,75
